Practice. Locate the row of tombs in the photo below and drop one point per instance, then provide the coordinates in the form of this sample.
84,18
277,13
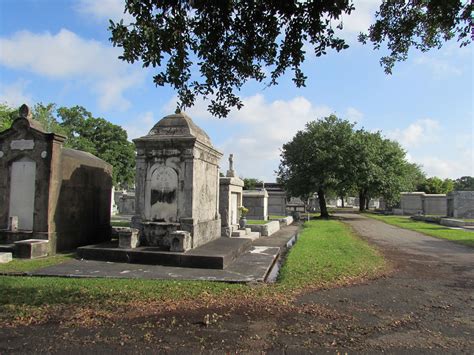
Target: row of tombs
55,199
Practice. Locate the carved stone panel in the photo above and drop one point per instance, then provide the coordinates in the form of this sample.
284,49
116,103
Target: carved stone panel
162,194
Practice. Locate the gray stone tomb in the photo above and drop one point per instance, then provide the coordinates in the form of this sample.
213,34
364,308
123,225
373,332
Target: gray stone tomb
177,186
51,198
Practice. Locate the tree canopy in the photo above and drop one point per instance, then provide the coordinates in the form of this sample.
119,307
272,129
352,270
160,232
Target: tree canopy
211,48
329,155
84,132
435,185
464,183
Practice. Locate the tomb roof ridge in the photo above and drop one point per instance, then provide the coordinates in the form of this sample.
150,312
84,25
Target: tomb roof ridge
179,124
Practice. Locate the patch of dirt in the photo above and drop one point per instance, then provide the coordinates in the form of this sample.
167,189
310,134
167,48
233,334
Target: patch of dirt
424,306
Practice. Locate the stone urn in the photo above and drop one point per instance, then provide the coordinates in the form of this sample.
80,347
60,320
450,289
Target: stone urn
242,222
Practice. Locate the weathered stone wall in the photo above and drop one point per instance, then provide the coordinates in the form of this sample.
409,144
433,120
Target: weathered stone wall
82,214
277,203
257,203
435,204
461,204
412,203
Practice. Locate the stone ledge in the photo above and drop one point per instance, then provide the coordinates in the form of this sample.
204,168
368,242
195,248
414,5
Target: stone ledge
266,229
31,248
5,258
217,254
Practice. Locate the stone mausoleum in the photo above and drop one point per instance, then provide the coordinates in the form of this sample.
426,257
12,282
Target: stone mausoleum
177,186
51,198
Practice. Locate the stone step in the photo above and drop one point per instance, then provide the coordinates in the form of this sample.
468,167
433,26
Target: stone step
252,235
5,257
239,233
31,248
7,248
248,230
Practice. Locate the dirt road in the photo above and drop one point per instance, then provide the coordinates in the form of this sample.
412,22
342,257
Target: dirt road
424,306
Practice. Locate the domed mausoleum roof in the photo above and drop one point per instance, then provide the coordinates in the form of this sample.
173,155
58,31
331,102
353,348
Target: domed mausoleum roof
178,125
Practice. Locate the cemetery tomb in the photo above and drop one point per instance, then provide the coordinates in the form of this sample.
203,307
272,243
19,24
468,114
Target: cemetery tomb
51,198
177,185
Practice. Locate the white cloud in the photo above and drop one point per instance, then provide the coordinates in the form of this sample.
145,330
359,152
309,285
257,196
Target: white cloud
362,17
257,132
67,56
418,133
14,94
354,115
447,168
104,10
140,126
439,67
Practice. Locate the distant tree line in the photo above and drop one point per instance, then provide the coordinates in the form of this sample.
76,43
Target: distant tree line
332,158
85,132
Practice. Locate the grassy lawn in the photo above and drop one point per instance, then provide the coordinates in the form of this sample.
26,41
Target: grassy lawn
23,265
276,217
327,253
435,230
256,221
120,223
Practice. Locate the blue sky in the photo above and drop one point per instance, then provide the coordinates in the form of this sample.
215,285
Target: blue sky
58,51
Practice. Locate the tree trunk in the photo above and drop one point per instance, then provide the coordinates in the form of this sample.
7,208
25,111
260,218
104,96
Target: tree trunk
361,201
342,199
367,201
322,204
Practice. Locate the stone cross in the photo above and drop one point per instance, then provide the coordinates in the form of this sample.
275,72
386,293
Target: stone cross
231,172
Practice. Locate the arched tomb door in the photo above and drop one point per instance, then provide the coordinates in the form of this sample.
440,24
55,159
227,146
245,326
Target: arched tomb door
162,199
22,192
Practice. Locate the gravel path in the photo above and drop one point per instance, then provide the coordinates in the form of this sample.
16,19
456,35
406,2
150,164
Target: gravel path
426,305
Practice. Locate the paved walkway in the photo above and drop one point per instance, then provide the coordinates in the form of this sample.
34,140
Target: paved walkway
252,266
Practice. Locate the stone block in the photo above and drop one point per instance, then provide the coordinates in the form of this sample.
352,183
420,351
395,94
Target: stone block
13,223
5,258
180,241
128,238
266,229
31,248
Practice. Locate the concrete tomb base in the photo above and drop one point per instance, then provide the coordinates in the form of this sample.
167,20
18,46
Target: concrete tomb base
31,248
5,257
217,254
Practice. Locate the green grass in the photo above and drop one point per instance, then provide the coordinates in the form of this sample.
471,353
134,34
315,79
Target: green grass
276,217
256,221
435,230
326,253
120,223
23,265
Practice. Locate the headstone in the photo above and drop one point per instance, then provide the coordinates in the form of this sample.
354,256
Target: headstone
257,203
177,185
230,200
231,172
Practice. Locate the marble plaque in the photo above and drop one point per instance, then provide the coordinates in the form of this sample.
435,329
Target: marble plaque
22,144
